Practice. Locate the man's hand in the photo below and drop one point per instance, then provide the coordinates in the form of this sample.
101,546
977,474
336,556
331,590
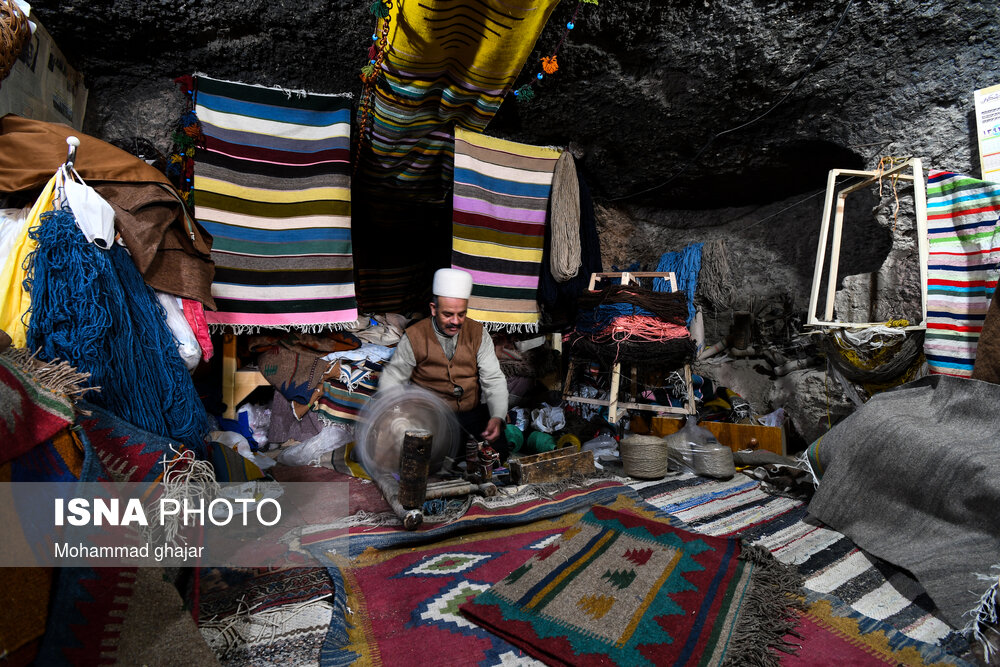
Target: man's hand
493,429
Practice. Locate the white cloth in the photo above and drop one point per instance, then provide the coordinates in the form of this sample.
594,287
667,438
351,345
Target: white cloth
453,283
94,216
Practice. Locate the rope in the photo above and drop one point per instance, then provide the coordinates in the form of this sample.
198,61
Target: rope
685,266
564,220
633,324
644,456
668,306
716,276
91,307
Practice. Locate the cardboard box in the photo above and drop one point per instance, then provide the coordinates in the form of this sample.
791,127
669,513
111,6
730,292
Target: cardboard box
42,85
735,436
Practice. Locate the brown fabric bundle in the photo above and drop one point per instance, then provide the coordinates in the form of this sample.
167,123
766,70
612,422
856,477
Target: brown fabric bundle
32,150
172,252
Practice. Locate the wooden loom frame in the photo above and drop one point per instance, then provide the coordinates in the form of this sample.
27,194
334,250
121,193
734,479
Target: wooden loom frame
920,211
237,383
612,402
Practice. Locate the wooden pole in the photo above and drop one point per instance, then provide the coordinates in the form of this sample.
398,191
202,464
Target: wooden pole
461,488
414,465
389,487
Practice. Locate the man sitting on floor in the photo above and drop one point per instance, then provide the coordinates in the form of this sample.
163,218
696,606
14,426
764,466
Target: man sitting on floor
454,357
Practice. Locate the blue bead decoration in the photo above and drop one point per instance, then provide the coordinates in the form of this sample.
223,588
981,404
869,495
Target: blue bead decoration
540,75
516,93
374,37
570,25
372,61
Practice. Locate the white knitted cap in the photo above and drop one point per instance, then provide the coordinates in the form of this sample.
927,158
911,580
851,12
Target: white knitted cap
453,283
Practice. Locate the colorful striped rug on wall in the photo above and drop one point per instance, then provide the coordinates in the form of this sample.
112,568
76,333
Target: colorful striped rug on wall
499,216
449,63
962,267
272,186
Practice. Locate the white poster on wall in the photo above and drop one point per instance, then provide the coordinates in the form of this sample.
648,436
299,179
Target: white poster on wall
988,131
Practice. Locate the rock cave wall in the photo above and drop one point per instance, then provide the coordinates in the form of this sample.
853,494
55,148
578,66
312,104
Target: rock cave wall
693,120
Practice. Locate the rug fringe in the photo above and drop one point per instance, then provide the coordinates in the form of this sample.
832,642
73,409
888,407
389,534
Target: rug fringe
57,376
985,620
245,627
185,478
248,329
767,615
802,463
298,92
507,327
334,653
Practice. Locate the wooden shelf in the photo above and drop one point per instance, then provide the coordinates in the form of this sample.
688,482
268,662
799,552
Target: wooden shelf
735,436
612,402
237,383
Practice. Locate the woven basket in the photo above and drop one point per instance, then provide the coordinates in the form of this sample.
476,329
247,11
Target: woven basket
644,456
14,34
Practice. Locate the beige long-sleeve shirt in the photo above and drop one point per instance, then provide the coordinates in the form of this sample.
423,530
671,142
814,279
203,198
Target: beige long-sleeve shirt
491,379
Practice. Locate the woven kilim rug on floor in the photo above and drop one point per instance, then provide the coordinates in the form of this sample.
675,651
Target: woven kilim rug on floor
223,590
620,589
888,604
513,505
404,601
962,270
257,616
272,186
500,211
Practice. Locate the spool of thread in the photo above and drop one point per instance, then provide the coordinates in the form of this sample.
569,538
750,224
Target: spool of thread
540,441
569,440
515,438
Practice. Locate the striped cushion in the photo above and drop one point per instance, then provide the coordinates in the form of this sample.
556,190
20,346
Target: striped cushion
962,220
272,186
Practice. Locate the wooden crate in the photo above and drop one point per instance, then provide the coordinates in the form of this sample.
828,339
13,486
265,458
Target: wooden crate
551,466
735,436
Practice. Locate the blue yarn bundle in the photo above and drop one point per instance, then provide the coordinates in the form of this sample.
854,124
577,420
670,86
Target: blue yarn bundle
92,308
685,264
597,319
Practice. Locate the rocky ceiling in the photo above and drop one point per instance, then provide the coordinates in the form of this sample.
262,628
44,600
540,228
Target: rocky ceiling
671,104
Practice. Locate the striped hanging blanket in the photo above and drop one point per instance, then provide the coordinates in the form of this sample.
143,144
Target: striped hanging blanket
272,186
500,205
964,238
448,63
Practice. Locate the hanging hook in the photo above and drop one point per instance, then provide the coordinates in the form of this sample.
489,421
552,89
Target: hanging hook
73,143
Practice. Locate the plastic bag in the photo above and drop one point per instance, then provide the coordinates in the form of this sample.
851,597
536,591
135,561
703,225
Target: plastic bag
236,441
259,421
776,418
602,445
187,343
694,449
310,452
548,419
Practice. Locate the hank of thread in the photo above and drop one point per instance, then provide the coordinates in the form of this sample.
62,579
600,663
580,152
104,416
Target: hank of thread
569,440
540,441
515,437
